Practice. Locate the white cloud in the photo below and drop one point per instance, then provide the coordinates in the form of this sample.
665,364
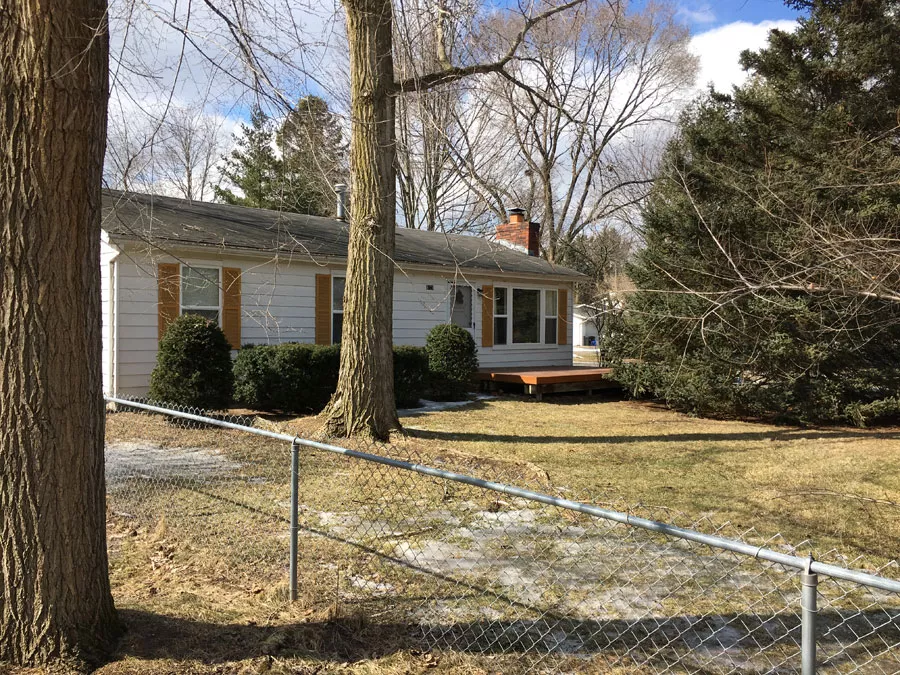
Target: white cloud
696,13
167,55
720,48
162,49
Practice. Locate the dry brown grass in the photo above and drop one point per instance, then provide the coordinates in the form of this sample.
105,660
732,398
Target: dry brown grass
203,587
839,487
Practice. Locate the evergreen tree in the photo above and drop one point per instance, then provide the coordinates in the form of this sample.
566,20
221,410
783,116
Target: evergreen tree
313,150
252,166
262,178
768,283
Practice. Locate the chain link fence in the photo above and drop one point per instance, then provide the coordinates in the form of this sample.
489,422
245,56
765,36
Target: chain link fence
481,556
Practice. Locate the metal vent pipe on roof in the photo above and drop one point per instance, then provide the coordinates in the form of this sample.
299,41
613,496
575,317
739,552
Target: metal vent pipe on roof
341,190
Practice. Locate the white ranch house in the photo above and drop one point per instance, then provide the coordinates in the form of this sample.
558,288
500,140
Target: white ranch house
268,277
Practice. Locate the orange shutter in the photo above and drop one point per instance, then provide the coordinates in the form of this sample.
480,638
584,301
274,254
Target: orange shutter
231,305
168,287
487,316
562,317
323,309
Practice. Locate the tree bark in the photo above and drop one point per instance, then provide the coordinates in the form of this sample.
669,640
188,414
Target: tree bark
55,600
367,357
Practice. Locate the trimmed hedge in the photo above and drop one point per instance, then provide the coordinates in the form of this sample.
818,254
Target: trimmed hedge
290,377
452,360
193,365
411,375
294,377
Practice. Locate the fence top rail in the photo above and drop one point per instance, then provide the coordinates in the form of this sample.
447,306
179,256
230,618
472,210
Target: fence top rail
808,565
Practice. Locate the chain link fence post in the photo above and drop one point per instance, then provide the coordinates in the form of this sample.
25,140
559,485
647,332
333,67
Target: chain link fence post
809,583
295,499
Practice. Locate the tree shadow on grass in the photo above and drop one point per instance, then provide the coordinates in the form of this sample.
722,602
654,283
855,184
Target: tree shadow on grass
707,643
364,631
777,435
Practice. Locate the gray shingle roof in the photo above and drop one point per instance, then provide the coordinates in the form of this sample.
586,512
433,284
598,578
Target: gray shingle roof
166,221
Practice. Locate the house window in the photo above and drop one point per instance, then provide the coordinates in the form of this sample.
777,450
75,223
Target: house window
526,316
550,317
501,315
337,309
200,292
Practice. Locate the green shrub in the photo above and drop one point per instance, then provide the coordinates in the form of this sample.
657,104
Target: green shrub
452,360
300,378
411,375
883,411
193,365
256,380
289,377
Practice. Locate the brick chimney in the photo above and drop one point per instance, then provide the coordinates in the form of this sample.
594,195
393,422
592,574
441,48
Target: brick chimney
520,234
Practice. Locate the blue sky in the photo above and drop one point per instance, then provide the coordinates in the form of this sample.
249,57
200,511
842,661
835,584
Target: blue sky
722,30
702,16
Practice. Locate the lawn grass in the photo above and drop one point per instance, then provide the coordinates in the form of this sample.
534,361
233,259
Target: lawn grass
199,565
838,487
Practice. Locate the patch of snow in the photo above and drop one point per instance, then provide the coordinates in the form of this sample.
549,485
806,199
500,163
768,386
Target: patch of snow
518,516
518,567
437,406
128,460
368,585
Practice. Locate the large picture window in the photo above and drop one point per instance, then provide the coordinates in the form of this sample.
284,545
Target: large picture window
200,292
337,308
526,316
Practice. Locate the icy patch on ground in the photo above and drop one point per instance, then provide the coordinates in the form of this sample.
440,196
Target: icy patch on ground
127,460
437,406
575,590
369,585
522,578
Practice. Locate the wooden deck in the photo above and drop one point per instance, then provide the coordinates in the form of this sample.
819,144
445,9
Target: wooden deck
540,381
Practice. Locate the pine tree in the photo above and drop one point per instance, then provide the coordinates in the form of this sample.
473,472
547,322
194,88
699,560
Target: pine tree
768,280
313,150
252,166
259,177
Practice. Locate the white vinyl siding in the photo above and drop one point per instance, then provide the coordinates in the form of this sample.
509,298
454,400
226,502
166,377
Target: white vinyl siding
278,305
421,301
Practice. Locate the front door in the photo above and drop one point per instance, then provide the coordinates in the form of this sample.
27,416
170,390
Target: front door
461,307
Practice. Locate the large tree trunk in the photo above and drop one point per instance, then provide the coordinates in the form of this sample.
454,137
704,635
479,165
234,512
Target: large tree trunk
364,401
55,600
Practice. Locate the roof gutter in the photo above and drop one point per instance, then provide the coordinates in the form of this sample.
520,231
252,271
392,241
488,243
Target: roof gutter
325,260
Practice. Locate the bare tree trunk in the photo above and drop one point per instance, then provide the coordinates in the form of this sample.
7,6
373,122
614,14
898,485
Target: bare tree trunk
367,342
55,600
